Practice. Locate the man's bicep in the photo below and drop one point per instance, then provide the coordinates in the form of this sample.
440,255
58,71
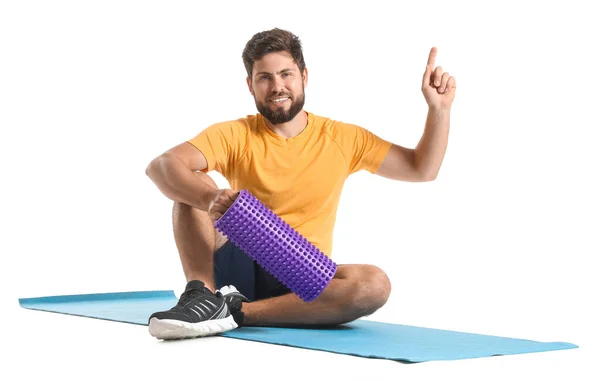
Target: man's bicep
191,156
399,164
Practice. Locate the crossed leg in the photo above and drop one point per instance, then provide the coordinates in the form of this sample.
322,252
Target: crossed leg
355,291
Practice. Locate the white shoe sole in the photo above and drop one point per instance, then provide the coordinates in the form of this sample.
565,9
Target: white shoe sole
167,329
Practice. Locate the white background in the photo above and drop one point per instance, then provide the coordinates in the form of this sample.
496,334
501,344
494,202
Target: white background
502,243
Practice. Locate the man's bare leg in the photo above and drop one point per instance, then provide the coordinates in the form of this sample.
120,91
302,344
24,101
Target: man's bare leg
196,240
355,291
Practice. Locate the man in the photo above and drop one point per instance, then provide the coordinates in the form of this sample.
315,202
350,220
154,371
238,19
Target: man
296,163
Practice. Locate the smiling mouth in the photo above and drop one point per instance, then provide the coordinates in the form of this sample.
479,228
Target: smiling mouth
279,100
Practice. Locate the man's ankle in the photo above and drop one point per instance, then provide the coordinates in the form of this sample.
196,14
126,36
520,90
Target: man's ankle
208,283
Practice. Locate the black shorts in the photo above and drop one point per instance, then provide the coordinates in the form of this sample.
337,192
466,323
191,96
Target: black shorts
234,267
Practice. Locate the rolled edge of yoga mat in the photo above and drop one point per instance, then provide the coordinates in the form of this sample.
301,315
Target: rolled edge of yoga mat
276,246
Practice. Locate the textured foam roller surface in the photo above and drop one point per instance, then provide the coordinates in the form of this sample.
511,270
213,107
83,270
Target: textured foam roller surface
276,246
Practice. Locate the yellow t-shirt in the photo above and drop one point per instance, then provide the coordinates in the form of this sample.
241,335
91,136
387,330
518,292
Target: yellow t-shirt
301,178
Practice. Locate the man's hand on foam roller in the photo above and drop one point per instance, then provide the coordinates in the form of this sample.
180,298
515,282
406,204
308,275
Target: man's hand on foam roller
220,201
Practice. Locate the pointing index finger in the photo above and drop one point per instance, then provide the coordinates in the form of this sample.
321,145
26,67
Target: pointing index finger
432,55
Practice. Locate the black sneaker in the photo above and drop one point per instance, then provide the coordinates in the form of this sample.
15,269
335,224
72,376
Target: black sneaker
234,300
199,312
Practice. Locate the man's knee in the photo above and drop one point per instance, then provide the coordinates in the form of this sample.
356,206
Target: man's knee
220,239
372,290
183,214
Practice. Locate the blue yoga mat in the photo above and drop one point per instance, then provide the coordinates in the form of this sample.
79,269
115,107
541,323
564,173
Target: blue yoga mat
360,338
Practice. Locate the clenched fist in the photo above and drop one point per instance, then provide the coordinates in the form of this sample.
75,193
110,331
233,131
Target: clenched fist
221,202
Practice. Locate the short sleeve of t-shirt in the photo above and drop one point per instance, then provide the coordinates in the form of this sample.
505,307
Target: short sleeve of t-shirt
361,148
221,144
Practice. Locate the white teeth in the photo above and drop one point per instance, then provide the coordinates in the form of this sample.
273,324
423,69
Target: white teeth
278,100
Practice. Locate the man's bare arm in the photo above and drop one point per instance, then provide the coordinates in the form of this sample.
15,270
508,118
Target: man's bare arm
423,162
173,173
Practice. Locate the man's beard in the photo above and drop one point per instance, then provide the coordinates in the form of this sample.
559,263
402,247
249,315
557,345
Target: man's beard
280,115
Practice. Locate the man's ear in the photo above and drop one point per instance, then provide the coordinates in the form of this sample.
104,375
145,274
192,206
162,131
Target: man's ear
249,82
305,77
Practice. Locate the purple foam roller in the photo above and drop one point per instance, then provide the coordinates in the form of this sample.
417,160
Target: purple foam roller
276,246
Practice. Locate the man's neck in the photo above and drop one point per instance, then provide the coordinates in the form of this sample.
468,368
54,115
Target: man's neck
292,128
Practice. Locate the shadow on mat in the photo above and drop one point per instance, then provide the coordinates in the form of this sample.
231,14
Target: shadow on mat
336,327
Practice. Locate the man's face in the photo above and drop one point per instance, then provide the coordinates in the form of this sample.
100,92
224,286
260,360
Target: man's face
278,87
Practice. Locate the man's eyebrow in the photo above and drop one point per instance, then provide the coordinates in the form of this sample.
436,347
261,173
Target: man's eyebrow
279,72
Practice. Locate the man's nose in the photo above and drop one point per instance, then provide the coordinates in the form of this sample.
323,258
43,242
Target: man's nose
278,85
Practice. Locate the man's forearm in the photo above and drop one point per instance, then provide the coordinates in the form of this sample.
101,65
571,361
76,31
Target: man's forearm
431,149
176,181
